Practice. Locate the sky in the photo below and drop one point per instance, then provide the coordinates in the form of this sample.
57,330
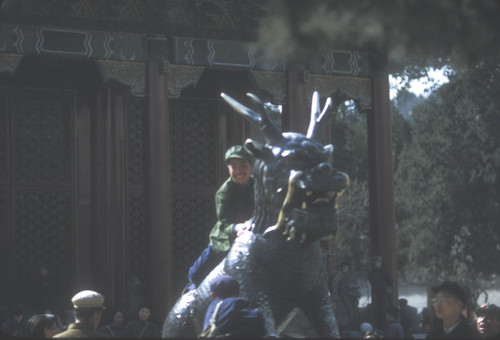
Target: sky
420,86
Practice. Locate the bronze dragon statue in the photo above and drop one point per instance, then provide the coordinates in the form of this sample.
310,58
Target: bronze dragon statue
279,263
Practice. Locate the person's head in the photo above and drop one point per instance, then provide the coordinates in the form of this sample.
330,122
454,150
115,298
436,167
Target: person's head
224,286
118,318
403,302
488,320
16,312
449,300
377,261
59,322
391,313
344,267
239,163
43,326
88,307
144,312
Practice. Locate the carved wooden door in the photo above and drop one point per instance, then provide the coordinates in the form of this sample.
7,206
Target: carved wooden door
37,192
195,169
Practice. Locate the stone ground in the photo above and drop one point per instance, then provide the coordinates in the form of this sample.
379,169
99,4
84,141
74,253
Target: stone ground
297,327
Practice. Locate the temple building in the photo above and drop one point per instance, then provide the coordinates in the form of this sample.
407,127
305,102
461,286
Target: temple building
112,136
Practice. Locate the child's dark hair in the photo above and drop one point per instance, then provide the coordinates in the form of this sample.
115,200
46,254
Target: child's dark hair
38,323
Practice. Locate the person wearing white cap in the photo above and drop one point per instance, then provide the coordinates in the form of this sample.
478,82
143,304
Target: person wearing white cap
88,307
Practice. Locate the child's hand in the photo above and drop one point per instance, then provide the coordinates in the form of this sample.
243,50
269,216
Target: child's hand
240,228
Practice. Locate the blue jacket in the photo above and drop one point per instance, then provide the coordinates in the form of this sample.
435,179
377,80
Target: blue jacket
236,319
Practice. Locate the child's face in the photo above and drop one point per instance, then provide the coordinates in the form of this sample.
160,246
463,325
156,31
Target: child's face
239,170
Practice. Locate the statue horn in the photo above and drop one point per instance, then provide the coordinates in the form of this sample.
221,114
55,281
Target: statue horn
270,131
317,117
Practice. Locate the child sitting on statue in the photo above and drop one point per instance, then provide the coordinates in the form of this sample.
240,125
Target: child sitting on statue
234,202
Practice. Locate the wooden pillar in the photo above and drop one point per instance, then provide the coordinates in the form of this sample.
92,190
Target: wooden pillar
295,115
157,186
106,253
382,214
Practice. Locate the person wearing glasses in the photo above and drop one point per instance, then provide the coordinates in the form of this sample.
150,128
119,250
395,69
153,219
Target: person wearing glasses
448,302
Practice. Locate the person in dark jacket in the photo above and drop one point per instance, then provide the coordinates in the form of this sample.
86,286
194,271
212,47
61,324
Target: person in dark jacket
142,327
230,315
394,329
234,203
449,301
408,316
14,325
381,290
116,328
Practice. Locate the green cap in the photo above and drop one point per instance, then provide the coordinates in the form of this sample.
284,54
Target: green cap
238,151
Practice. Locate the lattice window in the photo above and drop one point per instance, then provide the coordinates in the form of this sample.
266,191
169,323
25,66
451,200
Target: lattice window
192,220
134,198
3,218
136,234
193,143
4,249
37,166
42,135
43,236
135,109
4,128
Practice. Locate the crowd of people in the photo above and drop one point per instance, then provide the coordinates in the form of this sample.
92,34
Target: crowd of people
447,319
89,318
229,315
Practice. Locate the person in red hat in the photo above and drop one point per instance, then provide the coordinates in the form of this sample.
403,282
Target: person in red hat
449,300
488,321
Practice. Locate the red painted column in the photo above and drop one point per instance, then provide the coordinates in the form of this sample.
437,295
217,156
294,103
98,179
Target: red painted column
157,187
380,167
296,114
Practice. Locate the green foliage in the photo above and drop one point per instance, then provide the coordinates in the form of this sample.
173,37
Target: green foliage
401,134
405,101
348,131
349,135
352,241
447,188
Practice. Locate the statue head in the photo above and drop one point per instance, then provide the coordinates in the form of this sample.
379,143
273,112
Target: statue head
296,184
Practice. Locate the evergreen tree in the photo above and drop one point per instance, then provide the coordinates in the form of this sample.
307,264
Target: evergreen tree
447,185
349,135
